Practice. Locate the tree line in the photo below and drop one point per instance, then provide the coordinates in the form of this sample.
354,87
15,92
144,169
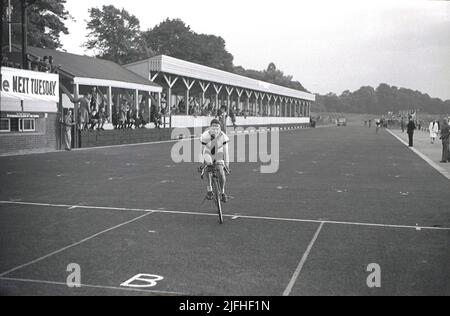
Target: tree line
116,35
380,100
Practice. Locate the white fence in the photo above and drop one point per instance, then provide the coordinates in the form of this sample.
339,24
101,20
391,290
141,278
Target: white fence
180,121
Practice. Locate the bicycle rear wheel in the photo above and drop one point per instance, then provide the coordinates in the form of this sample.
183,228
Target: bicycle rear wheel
217,198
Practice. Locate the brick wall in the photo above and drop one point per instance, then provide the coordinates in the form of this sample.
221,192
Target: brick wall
45,138
121,137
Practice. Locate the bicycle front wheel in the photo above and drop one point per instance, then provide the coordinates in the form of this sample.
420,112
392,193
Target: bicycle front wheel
217,198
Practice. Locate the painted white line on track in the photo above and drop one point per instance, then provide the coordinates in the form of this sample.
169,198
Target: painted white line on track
93,286
268,218
296,274
73,245
433,164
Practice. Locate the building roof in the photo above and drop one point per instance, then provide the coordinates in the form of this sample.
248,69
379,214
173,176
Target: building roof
99,70
183,68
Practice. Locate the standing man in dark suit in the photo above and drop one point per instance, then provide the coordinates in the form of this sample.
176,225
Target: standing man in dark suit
410,130
68,130
445,137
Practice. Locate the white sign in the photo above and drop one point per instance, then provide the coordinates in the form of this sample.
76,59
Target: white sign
29,85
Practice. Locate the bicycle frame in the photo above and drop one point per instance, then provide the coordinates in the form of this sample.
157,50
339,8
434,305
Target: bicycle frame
217,188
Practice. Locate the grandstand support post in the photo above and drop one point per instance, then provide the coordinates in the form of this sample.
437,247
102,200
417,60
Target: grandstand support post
229,92
293,108
136,100
109,95
261,104
188,84
204,87
239,94
76,93
269,106
287,107
217,88
170,84
152,78
275,103
249,94
257,95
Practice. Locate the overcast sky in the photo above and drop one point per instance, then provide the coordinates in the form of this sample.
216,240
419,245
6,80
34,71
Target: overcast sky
329,46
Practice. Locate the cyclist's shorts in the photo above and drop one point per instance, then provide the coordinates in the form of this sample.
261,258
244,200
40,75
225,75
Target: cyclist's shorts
210,159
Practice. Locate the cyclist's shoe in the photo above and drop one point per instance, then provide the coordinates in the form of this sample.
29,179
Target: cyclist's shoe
224,198
209,195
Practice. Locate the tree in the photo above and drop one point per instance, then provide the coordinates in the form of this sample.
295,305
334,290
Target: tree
46,22
176,39
115,34
272,75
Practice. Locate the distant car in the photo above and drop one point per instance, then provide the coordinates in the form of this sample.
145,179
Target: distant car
342,122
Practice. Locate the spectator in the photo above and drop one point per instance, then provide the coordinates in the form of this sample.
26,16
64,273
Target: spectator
83,113
223,117
434,130
68,123
445,135
129,115
101,118
141,121
410,130
378,124
233,117
122,116
45,65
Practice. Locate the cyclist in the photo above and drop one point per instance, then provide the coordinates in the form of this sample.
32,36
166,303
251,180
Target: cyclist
215,150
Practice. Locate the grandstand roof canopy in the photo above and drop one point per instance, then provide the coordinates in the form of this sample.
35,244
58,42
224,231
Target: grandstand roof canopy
95,71
174,66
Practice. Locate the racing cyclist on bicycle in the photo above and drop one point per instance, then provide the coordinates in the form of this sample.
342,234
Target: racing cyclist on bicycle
215,150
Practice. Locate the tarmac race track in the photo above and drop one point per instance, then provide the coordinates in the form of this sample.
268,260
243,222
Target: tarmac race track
342,199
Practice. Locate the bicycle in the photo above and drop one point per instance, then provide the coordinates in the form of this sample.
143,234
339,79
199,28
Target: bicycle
216,186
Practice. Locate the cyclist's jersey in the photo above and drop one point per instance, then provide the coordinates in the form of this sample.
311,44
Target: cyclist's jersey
214,145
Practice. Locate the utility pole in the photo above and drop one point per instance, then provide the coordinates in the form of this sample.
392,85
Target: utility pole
24,35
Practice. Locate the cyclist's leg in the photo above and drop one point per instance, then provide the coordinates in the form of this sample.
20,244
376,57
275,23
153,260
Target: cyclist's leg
221,166
208,161
222,177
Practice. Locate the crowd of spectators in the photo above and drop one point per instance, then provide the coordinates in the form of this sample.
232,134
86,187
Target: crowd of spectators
45,64
209,108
